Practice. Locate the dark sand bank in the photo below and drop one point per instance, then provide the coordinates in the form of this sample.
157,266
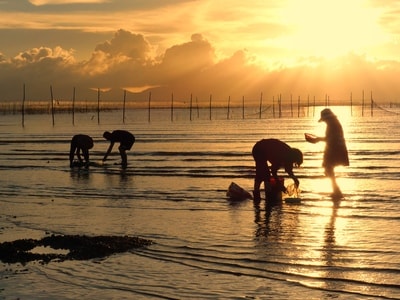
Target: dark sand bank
79,247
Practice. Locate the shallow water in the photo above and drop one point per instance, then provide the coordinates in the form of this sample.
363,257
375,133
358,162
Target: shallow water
174,193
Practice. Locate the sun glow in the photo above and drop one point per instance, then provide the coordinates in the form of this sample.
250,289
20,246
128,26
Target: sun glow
332,28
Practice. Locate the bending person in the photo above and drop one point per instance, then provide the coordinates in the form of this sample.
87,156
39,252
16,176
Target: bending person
80,142
126,140
278,154
335,153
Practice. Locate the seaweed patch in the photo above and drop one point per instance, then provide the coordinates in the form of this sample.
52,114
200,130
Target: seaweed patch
74,247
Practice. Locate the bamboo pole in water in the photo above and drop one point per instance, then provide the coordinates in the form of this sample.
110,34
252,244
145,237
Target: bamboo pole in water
23,105
372,106
172,107
190,107
273,106
52,103
291,105
242,107
280,106
98,105
362,104
149,112
123,108
73,106
351,104
210,105
229,104
197,108
308,105
261,98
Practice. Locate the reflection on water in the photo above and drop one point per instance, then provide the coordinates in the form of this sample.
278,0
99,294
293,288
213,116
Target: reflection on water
80,176
269,221
173,192
330,240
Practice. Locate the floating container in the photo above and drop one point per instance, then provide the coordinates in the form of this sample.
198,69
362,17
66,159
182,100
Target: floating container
235,192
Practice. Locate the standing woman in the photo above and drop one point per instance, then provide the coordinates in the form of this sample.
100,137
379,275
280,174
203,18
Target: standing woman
335,153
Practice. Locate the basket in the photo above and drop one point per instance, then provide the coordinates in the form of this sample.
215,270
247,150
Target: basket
311,138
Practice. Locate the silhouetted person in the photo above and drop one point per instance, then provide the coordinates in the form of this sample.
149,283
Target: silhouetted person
126,140
335,153
80,142
279,155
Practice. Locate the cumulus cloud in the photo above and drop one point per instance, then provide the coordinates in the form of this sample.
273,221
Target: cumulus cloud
190,57
125,43
126,62
36,55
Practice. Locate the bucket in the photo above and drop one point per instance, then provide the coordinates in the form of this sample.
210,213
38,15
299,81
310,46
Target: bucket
236,192
275,193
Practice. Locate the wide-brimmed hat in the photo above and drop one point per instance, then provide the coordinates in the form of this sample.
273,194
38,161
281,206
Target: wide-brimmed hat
326,114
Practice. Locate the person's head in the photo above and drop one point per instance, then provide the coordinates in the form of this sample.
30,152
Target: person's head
326,115
107,135
297,157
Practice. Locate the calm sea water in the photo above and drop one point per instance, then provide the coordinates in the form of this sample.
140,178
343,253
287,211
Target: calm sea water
174,193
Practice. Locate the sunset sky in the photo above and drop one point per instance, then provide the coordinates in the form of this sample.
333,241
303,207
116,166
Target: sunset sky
224,48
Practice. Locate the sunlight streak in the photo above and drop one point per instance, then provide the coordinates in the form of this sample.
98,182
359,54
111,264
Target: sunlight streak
332,28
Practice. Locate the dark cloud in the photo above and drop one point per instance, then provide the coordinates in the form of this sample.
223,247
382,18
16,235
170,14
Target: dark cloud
110,5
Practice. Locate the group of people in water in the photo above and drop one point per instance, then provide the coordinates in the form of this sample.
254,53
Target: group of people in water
84,143
279,155
273,151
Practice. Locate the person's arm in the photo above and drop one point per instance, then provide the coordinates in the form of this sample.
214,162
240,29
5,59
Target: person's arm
78,154
274,170
108,151
71,155
289,170
314,139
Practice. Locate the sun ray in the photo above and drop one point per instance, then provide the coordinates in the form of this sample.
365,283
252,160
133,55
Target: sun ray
332,28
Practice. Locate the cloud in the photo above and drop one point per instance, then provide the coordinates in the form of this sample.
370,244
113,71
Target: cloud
127,61
124,43
194,56
63,2
37,55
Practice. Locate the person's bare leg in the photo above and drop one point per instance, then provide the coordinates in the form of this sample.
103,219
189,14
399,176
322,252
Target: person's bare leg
124,157
86,156
256,191
337,193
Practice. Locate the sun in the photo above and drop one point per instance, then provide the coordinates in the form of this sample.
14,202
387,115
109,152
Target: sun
332,28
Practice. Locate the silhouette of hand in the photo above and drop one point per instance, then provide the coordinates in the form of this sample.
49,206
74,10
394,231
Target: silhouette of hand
297,183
